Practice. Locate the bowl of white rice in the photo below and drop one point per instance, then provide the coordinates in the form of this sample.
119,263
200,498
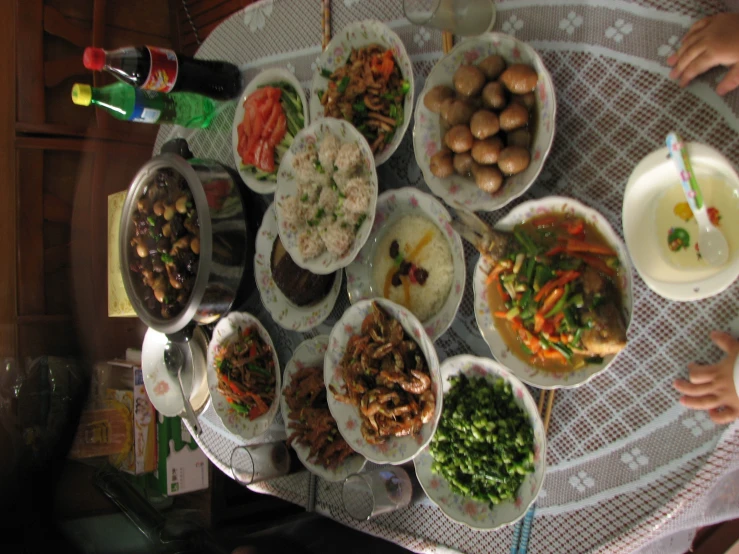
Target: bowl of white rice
413,257
326,196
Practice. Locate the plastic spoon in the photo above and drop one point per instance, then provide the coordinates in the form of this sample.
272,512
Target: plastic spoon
713,246
174,360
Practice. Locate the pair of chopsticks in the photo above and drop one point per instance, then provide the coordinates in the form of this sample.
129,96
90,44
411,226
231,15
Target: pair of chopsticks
447,41
522,530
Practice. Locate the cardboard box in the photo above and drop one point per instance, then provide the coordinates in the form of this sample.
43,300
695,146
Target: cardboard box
182,467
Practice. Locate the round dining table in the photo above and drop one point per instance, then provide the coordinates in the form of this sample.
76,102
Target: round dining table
629,468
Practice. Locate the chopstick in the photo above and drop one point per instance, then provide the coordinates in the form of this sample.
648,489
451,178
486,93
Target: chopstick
522,530
447,41
326,23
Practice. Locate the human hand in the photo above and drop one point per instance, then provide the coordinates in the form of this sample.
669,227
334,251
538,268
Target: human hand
712,386
711,41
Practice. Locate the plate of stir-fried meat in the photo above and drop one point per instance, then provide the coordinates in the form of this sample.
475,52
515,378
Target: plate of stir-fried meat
553,296
311,429
366,78
383,380
243,375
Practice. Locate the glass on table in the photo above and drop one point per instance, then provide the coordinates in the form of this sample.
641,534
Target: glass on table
460,17
252,464
366,495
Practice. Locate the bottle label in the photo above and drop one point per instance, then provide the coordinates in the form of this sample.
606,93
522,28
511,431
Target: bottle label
143,111
163,70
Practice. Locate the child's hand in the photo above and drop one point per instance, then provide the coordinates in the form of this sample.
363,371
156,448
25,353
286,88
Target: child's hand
712,386
710,42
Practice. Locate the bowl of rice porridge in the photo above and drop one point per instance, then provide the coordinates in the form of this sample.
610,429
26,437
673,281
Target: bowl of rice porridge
413,257
326,196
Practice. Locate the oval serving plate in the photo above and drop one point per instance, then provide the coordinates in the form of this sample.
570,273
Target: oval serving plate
474,513
391,205
285,313
525,372
311,353
239,424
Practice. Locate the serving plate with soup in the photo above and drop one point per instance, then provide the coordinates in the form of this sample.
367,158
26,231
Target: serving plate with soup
553,299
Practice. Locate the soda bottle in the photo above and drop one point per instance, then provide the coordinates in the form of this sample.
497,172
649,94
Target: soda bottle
163,70
124,102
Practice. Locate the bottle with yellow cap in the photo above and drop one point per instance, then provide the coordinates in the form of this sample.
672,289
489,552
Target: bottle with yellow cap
127,103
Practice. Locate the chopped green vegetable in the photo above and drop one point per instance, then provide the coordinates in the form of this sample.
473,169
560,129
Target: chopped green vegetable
304,198
325,73
360,220
359,107
166,258
343,84
152,219
405,87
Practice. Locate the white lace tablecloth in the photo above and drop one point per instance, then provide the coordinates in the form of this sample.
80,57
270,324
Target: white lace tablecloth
629,468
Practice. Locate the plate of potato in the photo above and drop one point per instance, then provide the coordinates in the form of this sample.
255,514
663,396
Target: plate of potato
485,122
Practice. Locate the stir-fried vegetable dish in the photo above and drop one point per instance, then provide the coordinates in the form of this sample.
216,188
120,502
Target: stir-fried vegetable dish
246,373
368,91
273,115
554,294
386,377
311,421
484,445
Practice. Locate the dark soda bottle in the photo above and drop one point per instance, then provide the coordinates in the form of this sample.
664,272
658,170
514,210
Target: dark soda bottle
163,70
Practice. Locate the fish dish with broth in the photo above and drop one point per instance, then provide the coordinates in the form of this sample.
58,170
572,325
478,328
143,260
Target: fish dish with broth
332,200
413,266
387,378
166,243
368,91
553,289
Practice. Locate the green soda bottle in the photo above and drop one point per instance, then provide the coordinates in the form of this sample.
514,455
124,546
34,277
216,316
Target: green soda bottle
127,103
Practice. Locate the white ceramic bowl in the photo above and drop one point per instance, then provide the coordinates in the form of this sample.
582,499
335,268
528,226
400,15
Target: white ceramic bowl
651,178
238,423
358,35
467,511
266,77
427,137
285,313
396,450
162,388
311,353
527,373
392,205
287,186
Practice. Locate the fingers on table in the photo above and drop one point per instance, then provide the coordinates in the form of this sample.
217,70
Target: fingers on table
701,373
698,66
708,402
691,389
724,340
727,84
686,56
725,415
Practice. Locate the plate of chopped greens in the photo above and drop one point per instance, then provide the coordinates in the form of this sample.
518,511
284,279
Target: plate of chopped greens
485,465
272,110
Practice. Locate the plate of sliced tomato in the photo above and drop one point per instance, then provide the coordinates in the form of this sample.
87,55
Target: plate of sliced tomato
272,110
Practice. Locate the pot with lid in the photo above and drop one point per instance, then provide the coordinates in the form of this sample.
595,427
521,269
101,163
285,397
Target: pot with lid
184,241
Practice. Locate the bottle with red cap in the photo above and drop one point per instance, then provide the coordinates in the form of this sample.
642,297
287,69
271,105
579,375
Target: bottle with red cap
163,70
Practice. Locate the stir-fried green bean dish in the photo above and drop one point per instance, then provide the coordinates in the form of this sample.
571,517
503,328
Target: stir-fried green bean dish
484,445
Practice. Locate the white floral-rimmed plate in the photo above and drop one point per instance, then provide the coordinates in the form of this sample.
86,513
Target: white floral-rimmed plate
391,205
527,373
311,137
358,35
311,353
427,138
238,423
474,513
396,450
266,77
285,313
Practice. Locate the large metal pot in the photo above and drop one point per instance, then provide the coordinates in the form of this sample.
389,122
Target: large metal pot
225,245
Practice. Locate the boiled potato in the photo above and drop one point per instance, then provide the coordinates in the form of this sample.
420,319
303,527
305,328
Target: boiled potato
528,100
492,66
514,117
441,163
444,107
457,113
519,137
519,78
488,178
493,96
468,80
486,152
463,163
484,124
459,138
436,96
513,159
